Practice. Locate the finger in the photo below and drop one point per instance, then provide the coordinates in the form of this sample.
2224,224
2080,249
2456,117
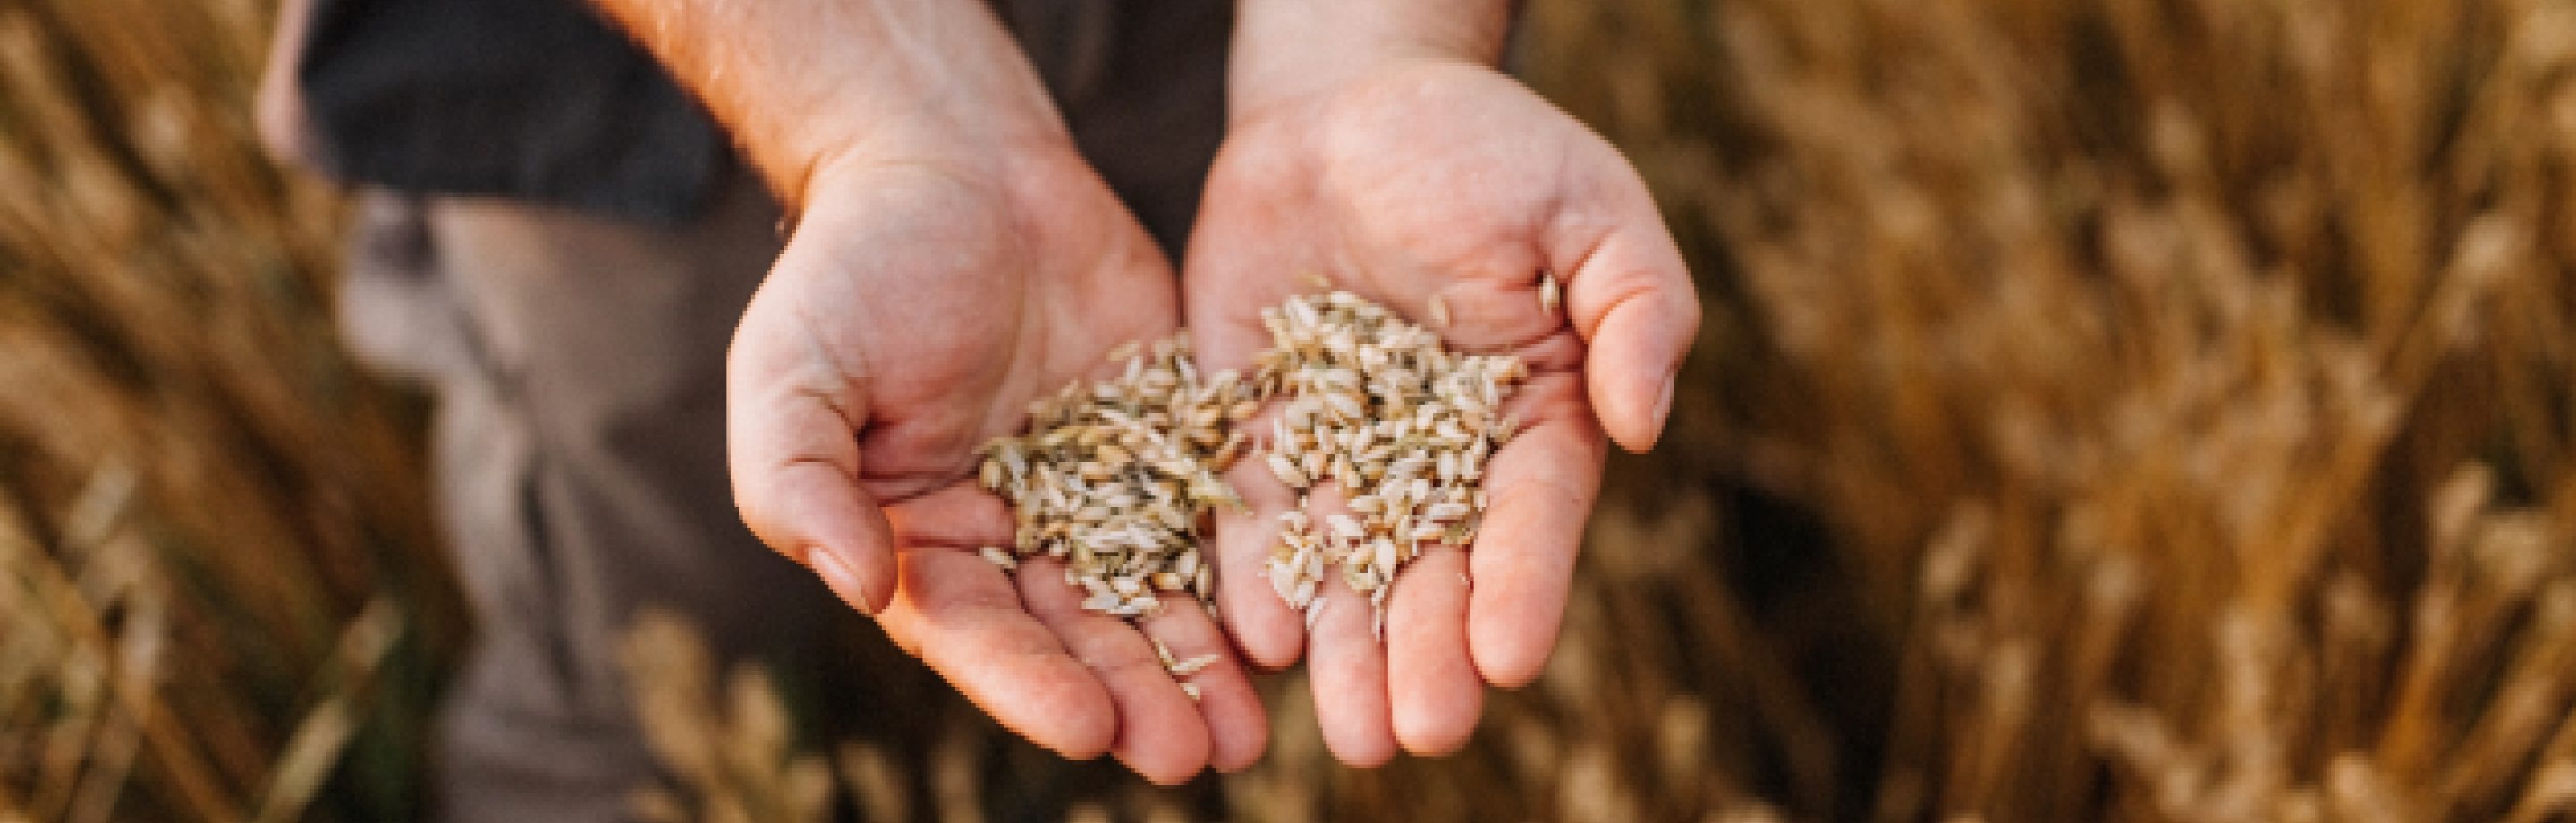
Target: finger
1539,487
791,426
1346,665
963,617
1268,630
1629,296
1238,727
1347,669
1434,690
1226,329
1160,733
1241,261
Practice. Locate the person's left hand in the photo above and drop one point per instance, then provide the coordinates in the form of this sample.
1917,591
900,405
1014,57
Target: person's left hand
1415,180
954,257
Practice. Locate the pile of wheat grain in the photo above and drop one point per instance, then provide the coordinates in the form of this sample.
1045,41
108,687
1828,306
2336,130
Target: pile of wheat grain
1115,479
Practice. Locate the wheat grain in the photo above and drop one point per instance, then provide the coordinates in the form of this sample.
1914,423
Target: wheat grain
1116,478
1404,428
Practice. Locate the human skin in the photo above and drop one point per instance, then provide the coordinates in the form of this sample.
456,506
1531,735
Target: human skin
1373,144
952,257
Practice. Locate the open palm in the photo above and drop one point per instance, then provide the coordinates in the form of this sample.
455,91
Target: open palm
1441,180
916,311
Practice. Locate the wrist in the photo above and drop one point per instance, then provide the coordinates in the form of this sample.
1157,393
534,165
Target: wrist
1288,49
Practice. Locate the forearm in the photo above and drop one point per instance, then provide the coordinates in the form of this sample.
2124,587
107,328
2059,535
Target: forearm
805,83
278,112
1284,48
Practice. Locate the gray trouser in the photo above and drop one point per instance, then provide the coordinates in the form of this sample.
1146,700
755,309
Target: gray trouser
576,362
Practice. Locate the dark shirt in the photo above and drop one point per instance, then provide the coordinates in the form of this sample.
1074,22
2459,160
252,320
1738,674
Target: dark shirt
544,101
536,100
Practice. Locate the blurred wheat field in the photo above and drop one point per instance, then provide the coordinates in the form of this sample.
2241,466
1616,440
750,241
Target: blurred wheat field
2138,410
2181,387
219,594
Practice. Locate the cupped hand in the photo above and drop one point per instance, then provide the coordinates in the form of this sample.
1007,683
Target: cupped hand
917,309
1422,181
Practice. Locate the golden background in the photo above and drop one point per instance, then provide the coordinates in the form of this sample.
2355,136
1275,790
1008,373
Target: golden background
2138,410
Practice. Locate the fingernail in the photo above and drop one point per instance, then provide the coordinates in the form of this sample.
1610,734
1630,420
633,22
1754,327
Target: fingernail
1664,406
844,580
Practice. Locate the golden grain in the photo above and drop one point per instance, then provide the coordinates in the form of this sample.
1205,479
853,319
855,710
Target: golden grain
1373,375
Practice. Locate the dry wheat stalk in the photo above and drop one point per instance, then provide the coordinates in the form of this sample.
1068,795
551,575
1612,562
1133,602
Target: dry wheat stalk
730,748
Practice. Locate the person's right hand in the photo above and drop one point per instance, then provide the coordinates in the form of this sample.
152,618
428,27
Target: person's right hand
1372,144
952,259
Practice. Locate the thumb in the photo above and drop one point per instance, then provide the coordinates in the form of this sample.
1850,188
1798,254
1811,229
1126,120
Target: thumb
1630,298
792,420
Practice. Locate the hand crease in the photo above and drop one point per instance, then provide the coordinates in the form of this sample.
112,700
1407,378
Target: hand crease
847,374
